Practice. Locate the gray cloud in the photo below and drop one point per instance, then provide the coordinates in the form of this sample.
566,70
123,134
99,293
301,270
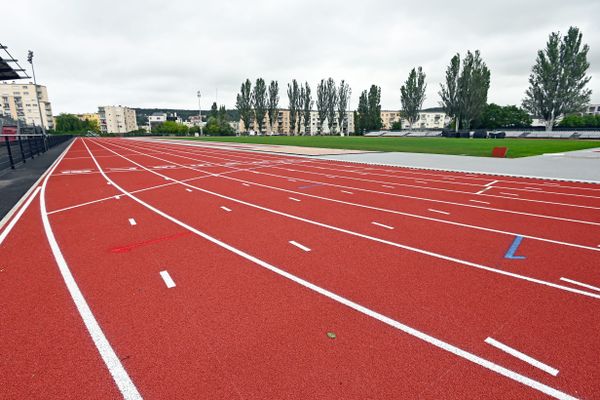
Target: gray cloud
156,53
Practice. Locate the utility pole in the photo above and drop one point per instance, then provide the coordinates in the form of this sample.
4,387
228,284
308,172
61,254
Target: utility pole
200,113
37,95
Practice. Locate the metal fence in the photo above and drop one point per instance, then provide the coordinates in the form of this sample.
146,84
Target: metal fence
20,143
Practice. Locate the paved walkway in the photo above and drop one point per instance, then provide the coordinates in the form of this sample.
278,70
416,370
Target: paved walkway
581,165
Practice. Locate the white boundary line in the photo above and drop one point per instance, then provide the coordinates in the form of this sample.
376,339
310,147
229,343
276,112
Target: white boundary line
585,285
110,358
375,239
438,211
522,356
361,309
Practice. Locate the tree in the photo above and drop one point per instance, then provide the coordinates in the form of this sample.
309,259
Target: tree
344,93
580,121
464,96
362,114
171,128
306,105
449,93
72,123
558,79
273,103
321,104
374,122
294,99
218,122
332,102
495,117
259,100
412,95
244,103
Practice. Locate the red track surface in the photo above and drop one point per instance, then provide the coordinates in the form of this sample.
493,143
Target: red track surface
407,267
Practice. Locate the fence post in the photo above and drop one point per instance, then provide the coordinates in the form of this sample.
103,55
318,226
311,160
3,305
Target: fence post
10,157
30,146
22,152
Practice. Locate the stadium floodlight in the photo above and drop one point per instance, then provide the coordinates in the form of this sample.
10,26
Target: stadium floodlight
200,113
37,94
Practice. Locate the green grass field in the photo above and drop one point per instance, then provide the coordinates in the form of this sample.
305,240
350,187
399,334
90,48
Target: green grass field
469,147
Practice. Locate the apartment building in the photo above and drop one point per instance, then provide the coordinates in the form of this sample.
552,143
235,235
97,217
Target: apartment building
117,119
19,101
89,117
388,118
283,125
592,109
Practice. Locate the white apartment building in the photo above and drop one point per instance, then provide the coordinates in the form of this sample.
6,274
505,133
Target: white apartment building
19,101
117,119
592,109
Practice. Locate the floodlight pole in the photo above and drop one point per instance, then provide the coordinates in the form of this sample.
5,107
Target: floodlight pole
200,113
37,95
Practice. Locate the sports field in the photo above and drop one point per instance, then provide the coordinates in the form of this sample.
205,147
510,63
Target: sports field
184,270
469,147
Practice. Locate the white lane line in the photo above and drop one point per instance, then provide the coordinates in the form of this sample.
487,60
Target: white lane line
110,358
382,225
16,218
421,182
347,192
490,183
515,376
132,222
509,194
580,284
226,209
167,278
388,186
534,188
188,190
483,190
293,198
300,246
479,201
438,211
522,356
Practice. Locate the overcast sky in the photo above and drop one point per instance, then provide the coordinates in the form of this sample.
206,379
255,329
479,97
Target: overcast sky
149,53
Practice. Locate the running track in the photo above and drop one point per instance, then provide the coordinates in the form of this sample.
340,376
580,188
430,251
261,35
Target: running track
163,270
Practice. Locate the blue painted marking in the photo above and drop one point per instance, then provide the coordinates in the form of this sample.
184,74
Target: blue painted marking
510,254
308,186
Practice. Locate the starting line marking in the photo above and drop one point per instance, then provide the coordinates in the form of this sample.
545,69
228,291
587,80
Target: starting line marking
438,211
521,356
293,243
226,209
167,278
490,183
382,225
293,198
132,222
580,284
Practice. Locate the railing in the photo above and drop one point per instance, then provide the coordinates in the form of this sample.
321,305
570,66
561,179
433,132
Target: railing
21,143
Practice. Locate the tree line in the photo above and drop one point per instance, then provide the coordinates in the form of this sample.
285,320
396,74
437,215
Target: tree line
557,86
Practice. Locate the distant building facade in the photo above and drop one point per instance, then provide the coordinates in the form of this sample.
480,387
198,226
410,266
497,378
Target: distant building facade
89,117
592,109
19,101
117,119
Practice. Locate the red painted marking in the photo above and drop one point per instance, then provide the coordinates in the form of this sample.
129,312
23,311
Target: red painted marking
129,247
499,152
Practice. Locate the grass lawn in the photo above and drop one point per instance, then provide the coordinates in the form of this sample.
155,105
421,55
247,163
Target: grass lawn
470,147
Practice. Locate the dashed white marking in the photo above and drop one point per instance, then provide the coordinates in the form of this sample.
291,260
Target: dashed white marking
438,211
108,183
167,278
522,356
490,183
509,194
382,225
534,188
188,190
580,284
132,222
293,198
245,184
478,201
300,246
347,192
226,209
388,186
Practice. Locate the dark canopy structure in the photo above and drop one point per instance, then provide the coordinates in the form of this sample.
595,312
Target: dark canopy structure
7,71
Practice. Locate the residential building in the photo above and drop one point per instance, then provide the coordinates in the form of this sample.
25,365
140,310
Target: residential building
89,117
429,118
19,101
156,119
117,119
592,109
283,125
389,117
